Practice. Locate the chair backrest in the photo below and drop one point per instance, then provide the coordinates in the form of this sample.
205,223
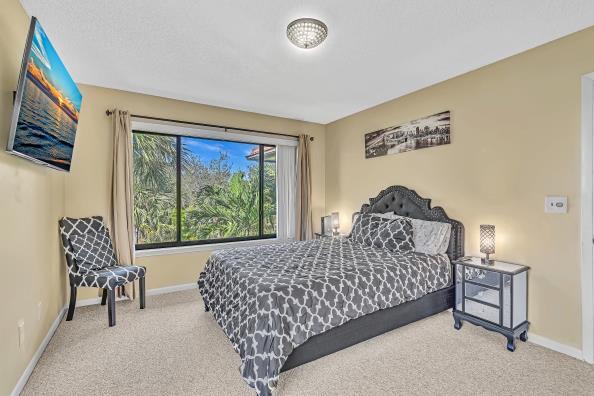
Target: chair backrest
70,227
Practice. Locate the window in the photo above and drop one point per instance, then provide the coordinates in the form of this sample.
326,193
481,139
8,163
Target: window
192,190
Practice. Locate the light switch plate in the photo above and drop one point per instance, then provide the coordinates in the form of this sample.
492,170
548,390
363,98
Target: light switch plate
555,204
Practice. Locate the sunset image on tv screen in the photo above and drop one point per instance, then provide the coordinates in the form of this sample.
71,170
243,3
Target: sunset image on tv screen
50,106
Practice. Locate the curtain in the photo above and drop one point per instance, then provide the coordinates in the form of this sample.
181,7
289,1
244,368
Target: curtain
286,170
304,229
122,226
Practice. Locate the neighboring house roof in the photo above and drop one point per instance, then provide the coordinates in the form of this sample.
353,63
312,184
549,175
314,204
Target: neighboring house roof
269,154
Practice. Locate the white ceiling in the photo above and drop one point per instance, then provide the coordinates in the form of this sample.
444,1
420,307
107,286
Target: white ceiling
235,54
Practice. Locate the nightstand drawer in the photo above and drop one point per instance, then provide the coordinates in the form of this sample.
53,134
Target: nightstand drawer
483,277
482,293
482,311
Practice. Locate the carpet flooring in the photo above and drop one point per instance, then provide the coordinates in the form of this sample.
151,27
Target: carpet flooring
173,347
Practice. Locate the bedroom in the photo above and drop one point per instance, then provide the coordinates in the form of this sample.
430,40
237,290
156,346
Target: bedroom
516,79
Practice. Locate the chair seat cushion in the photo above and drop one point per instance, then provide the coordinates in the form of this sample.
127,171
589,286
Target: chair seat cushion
110,277
93,250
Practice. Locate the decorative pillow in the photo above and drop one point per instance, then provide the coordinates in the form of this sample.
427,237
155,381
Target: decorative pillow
93,250
396,234
430,237
362,227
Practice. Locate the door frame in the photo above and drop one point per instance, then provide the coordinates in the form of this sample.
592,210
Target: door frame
587,216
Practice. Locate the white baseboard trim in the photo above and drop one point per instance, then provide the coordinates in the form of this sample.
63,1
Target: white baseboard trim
37,355
171,289
93,301
555,346
149,292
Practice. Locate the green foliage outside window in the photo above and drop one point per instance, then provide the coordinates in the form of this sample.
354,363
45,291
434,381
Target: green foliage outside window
218,200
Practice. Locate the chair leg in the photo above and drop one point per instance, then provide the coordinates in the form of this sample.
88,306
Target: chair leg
72,305
142,292
104,297
111,307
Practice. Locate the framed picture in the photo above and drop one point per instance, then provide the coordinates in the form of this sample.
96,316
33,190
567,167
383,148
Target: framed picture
425,132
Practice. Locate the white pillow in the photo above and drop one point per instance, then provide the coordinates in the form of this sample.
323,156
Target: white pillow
430,237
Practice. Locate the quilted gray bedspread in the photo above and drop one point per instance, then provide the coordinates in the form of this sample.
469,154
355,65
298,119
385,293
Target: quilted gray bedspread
271,298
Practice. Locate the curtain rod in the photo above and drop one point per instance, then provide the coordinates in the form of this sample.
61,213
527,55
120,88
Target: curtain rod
226,128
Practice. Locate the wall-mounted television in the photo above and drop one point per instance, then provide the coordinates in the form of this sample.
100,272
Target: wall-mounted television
46,106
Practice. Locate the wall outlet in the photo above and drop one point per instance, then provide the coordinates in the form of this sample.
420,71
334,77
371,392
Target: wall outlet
555,204
21,329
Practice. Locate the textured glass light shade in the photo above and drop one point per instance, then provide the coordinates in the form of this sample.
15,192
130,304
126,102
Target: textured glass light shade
487,239
307,32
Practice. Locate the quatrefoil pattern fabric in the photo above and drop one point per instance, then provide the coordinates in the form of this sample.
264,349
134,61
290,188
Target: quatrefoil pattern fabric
393,234
91,230
93,250
272,298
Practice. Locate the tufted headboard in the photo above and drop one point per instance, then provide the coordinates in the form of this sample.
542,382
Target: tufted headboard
406,202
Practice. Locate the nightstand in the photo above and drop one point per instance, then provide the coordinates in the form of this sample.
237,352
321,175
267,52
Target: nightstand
493,296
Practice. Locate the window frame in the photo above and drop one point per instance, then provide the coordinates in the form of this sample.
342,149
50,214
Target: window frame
178,242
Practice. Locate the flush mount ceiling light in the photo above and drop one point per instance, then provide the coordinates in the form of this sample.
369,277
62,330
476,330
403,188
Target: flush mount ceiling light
307,32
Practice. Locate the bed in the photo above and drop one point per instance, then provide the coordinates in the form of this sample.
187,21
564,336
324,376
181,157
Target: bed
283,305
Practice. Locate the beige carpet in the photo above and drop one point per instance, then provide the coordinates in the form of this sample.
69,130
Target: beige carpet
174,348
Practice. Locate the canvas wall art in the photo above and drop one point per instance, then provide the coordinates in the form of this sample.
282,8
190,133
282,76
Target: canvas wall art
425,132
47,107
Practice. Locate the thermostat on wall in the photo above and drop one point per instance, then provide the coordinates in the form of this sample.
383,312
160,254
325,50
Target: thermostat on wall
555,204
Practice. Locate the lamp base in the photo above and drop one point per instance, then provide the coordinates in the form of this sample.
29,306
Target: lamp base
486,261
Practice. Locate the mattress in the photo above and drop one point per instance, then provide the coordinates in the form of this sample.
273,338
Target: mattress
270,299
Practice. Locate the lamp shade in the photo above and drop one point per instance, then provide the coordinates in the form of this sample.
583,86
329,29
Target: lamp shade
307,32
487,238
335,221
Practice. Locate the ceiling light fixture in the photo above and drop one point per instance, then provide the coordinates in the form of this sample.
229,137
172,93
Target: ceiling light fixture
307,32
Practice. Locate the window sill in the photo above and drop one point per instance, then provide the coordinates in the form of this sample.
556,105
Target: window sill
202,248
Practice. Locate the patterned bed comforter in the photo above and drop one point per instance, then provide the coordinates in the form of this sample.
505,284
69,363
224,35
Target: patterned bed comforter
271,298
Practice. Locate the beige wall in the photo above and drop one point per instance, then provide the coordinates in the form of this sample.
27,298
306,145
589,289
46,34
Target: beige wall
34,198
515,139
87,186
31,202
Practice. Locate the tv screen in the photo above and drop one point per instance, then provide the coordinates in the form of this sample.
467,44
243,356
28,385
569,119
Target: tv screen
46,107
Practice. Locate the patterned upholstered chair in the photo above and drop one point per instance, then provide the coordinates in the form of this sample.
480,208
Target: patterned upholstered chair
92,263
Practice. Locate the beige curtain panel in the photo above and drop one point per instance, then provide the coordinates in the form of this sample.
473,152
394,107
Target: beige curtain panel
122,205
303,217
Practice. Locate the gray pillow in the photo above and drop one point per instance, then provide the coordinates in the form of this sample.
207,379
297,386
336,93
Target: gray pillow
394,235
431,237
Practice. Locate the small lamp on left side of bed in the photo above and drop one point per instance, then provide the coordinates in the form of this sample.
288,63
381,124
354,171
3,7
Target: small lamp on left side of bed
487,242
335,223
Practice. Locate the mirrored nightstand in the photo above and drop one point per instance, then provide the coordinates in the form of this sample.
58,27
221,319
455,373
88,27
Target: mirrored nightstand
493,296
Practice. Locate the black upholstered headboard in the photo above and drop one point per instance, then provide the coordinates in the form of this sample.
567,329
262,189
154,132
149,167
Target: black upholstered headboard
406,202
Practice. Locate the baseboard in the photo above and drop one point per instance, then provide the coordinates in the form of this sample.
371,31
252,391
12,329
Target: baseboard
171,289
37,355
94,301
149,292
555,346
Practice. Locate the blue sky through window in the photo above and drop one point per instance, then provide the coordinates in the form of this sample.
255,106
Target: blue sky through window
208,150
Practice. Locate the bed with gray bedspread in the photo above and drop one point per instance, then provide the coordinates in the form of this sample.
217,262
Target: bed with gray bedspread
270,299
